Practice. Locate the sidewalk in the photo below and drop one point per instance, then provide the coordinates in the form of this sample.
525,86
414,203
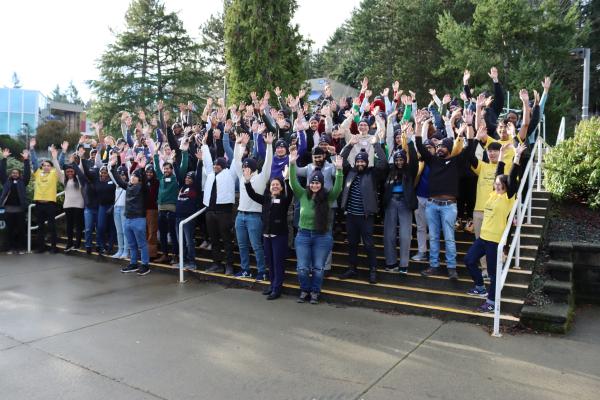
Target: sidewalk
72,328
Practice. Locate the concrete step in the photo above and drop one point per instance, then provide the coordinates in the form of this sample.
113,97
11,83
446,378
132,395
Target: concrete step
558,291
560,270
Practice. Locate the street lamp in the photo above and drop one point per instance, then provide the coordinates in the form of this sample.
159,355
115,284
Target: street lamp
583,53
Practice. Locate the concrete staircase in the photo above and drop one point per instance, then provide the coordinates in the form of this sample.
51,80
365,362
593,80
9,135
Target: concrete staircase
413,294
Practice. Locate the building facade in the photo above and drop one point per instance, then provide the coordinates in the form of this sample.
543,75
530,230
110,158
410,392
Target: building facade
19,107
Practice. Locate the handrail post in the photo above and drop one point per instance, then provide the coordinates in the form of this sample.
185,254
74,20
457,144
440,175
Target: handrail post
518,232
539,166
180,228
530,184
498,297
29,227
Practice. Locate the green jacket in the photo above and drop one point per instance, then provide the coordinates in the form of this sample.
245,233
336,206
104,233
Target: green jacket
168,188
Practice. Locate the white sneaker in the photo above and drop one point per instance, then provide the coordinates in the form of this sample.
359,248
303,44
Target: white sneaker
204,245
10,252
209,247
116,255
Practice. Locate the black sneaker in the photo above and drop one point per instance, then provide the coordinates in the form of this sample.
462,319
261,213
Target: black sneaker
143,270
403,270
452,274
129,268
392,268
431,271
303,297
273,296
267,291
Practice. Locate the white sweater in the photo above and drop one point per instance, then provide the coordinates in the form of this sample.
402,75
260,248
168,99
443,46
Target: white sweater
258,181
225,181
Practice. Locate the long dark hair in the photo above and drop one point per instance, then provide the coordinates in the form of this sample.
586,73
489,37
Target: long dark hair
321,205
75,177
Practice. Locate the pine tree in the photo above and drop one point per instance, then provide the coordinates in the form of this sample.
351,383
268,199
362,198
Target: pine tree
72,94
58,96
212,50
153,58
262,48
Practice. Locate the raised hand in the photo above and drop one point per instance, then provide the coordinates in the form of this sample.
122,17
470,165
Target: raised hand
385,92
277,91
32,143
546,84
53,152
286,173
198,153
463,97
481,133
364,84
524,95
190,105
466,77
64,146
511,129
269,137
395,86
25,154
185,144
354,139
293,155
216,134
413,96
368,93
493,74
142,115
339,162
5,153
480,102
432,92
301,93
245,139
520,149
536,97
160,105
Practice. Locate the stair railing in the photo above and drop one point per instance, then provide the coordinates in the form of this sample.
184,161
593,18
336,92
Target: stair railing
33,228
533,172
181,239
561,131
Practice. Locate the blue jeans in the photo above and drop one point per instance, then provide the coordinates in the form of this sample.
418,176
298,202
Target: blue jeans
167,226
312,249
248,230
102,227
90,217
135,230
441,218
478,249
189,245
119,216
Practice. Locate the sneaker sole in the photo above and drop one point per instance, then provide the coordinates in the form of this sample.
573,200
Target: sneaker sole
128,272
482,295
144,273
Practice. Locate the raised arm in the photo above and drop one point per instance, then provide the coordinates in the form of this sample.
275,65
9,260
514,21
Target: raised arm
295,185
524,95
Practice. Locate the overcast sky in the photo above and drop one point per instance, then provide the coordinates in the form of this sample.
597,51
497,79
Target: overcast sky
49,42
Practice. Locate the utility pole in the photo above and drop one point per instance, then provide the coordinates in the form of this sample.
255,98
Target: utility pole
584,53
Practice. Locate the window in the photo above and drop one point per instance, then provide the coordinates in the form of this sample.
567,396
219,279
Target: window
15,124
16,97
31,120
3,122
30,102
3,100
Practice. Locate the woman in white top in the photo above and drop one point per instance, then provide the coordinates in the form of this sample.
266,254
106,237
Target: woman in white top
119,216
73,204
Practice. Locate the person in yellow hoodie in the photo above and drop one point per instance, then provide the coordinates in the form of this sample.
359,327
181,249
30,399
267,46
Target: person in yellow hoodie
45,181
496,211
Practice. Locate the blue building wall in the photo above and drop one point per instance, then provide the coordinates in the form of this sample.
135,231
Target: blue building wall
18,106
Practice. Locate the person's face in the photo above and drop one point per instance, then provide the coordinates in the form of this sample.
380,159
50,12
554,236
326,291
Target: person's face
15,174
323,145
167,170
246,171
363,128
178,130
502,131
399,162
188,181
46,167
217,168
275,187
134,180
398,139
499,186
103,174
361,165
430,149
441,151
314,124
149,174
280,115
69,173
512,117
493,155
337,134
314,186
167,115
318,160
294,140
280,151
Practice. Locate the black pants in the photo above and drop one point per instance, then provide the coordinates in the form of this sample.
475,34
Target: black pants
74,218
467,191
46,213
15,228
220,228
167,225
360,227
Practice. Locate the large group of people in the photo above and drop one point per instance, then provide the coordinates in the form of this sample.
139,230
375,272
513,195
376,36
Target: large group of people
275,178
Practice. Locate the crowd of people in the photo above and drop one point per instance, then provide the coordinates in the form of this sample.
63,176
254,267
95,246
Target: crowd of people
275,178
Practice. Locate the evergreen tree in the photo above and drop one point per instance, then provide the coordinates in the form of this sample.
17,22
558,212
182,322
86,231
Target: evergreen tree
58,96
153,58
262,48
212,49
72,94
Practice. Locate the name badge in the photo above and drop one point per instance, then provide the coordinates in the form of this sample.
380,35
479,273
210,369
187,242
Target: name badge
276,201
110,182
167,179
364,143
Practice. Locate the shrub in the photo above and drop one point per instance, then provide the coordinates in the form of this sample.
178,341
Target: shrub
15,145
572,168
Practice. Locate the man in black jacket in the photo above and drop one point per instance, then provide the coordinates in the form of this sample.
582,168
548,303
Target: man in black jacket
443,191
13,198
359,199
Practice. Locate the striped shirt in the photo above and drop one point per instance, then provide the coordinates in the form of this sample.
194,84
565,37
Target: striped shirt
354,205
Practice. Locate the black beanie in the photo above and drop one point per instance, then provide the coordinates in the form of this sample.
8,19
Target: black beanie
400,154
447,143
362,155
317,176
250,163
222,162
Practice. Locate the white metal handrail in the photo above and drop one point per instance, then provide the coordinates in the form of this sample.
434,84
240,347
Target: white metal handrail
561,131
33,228
181,239
521,209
